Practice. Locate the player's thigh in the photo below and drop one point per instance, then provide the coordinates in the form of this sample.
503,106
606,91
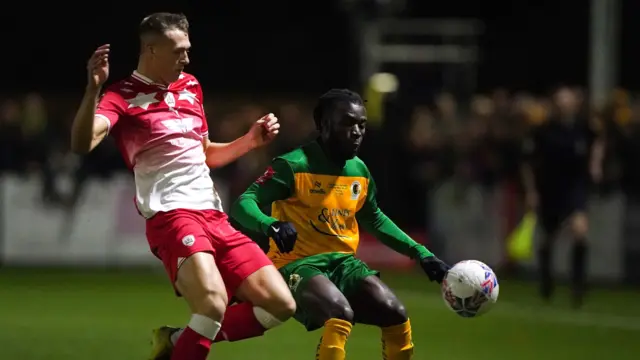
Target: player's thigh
265,287
176,235
375,304
200,283
372,301
180,240
317,298
240,259
321,300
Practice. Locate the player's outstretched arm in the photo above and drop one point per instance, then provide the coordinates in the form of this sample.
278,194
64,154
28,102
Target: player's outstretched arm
385,230
261,133
88,131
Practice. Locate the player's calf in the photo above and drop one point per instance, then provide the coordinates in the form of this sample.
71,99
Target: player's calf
201,285
267,299
375,304
323,302
268,292
551,222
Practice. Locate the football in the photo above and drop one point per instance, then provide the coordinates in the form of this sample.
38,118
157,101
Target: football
470,288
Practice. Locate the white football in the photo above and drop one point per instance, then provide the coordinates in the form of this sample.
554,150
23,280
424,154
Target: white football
470,288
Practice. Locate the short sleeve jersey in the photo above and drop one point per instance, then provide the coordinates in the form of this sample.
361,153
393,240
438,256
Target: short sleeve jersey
160,132
322,201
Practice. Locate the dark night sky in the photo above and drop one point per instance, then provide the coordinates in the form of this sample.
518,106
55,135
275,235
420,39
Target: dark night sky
297,45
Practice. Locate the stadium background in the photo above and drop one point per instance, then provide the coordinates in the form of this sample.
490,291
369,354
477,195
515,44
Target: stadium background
77,281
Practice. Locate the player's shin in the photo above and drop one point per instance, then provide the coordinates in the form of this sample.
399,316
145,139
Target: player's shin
195,340
334,339
244,321
546,277
579,265
397,343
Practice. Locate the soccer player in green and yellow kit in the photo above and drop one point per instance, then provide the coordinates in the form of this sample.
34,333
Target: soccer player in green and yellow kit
319,195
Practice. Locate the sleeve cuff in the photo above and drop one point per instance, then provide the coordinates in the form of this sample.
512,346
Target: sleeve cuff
106,120
422,252
266,224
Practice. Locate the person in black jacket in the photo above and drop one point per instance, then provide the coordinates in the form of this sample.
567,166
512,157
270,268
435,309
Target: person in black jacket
561,158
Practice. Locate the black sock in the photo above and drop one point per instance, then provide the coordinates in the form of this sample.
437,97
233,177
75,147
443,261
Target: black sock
546,278
579,268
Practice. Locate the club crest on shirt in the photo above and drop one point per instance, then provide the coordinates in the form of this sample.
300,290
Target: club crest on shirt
356,189
170,99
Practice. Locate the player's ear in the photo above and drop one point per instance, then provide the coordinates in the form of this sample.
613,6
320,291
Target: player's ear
325,129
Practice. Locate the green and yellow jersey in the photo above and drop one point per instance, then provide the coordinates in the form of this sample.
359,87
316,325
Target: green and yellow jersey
324,202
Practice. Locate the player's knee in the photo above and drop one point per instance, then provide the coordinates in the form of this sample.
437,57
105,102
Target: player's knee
341,311
396,313
284,307
579,226
281,307
213,304
267,290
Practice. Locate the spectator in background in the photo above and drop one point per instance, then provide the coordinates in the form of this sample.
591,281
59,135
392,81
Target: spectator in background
34,123
422,159
502,104
448,128
447,114
481,156
248,168
11,144
424,147
41,143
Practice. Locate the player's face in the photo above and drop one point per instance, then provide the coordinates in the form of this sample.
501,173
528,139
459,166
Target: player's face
171,54
348,125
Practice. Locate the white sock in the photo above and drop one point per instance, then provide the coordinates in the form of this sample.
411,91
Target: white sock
204,326
265,319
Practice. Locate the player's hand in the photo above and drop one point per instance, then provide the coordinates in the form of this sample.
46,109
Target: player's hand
98,67
435,268
264,130
284,235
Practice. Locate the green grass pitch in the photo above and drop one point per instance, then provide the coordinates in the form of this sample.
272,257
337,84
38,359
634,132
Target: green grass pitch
98,315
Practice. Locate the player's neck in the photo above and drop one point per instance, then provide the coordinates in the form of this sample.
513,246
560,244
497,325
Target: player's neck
333,156
144,70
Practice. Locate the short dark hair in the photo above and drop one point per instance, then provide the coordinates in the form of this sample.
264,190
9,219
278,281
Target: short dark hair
328,100
158,23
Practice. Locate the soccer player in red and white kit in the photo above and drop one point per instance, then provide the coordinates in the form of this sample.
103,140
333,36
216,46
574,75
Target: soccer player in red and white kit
158,121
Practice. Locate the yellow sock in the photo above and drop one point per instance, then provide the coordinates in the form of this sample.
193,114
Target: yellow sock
333,340
397,343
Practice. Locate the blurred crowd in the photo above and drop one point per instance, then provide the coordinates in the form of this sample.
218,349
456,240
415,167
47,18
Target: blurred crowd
476,141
